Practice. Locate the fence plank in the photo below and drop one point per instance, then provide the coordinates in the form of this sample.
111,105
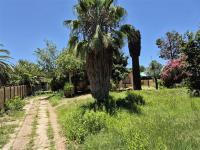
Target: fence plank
1,98
7,93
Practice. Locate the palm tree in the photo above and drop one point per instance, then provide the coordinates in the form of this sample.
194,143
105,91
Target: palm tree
4,66
134,44
95,36
4,56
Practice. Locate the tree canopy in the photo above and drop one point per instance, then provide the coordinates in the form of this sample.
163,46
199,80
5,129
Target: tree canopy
119,70
170,45
95,35
68,64
154,68
47,58
192,51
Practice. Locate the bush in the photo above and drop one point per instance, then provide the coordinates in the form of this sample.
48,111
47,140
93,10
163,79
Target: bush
173,72
192,51
79,124
68,90
15,104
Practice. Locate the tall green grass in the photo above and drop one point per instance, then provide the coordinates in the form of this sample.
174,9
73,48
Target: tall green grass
56,97
170,119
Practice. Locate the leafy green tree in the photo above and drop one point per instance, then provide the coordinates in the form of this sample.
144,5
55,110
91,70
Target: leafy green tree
119,70
26,73
134,44
142,68
170,46
191,50
154,70
95,36
4,76
47,58
68,64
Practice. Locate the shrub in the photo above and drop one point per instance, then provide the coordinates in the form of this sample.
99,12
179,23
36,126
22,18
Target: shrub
173,72
79,124
15,104
192,51
68,90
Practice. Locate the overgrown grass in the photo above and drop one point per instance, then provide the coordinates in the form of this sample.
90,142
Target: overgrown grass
5,131
13,112
170,119
55,99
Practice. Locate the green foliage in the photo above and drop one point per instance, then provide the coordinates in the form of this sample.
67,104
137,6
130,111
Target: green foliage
142,68
119,70
69,65
57,83
170,46
4,56
94,34
4,66
15,104
131,102
154,69
79,124
170,120
134,39
192,51
68,62
26,73
47,58
95,37
68,89
5,131
55,99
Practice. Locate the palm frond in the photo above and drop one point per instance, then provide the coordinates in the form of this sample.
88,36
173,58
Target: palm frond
4,57
134,39
4,51
74,24
107,3
82,49
72,42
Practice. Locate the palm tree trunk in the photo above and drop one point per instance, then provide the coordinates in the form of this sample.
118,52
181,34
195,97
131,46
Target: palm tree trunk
136,73
99,69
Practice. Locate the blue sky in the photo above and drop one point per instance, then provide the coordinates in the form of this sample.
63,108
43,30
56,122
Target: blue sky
25,24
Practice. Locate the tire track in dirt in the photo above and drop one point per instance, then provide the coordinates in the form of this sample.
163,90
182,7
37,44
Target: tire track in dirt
41,140
20,137
39,116
60,143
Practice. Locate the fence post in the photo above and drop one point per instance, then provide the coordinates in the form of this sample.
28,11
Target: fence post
20,93
17,91
10,92
4,95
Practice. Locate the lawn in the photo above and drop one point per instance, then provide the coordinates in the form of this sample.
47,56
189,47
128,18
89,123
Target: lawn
170,119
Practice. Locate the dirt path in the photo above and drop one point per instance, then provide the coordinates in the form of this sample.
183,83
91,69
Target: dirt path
33,132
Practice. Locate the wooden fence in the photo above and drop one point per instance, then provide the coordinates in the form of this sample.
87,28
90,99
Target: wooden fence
7,93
